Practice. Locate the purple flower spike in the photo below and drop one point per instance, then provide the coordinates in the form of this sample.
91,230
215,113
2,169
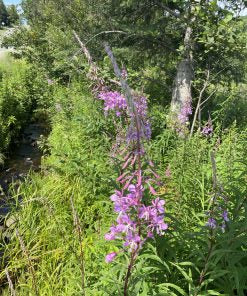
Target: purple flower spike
225,216
183,117
110,257
137,220
211,223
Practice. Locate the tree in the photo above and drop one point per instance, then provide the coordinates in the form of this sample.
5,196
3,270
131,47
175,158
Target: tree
203,22
3,14
13,16
172,45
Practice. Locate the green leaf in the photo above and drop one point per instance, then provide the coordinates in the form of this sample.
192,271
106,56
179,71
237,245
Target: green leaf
177,288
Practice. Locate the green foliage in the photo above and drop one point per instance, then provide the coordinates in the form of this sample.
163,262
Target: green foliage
13,16
151,39
8,15
49,255
3,14
15,103
22,89
77,168
173,264
229,106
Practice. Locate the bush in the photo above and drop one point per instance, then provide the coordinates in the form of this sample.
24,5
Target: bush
23,89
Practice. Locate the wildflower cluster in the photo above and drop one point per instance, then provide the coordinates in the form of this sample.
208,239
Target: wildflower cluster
138,218
218,217
183,116
115,101
135,222
208,128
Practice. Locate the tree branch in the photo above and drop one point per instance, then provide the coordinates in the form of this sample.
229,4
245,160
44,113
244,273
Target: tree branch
167,9
199,103
105,32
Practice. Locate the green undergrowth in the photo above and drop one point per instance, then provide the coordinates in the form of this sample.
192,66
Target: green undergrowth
62,213
23,89
175,263
76,168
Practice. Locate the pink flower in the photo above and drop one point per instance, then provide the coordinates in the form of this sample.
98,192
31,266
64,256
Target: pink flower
110,257
110,236
113,100
159,205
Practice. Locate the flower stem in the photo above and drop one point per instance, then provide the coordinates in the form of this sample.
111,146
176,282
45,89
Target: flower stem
128,274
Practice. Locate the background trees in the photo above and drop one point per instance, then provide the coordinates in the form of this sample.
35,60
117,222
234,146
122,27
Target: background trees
190,55
8,15
174,46
13,16
3,14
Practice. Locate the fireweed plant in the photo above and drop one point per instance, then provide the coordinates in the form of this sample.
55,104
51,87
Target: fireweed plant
181,121
140,213
218,215
217,218
207,130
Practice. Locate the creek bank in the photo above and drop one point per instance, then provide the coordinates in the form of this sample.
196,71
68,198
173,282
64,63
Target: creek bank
25,156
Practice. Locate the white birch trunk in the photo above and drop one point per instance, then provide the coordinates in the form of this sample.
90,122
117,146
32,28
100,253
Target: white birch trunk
182,83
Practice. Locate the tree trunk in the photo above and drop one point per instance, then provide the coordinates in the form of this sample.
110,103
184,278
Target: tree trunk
181,95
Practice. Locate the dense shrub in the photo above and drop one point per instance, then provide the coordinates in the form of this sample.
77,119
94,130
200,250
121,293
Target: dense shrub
23,89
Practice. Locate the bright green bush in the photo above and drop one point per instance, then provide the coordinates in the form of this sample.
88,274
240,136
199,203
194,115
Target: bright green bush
14,104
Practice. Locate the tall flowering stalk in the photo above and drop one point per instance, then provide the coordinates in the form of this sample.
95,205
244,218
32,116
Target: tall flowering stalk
218,214
137,218
140,213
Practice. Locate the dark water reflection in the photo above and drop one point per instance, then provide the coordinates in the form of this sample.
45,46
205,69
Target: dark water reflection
25,156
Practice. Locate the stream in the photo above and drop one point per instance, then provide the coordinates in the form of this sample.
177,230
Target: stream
24,157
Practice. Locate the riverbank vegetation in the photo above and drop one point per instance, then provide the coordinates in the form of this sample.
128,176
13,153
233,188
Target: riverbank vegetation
23,91
178,194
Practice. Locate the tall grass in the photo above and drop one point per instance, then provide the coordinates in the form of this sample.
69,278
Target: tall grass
189,260
77,168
